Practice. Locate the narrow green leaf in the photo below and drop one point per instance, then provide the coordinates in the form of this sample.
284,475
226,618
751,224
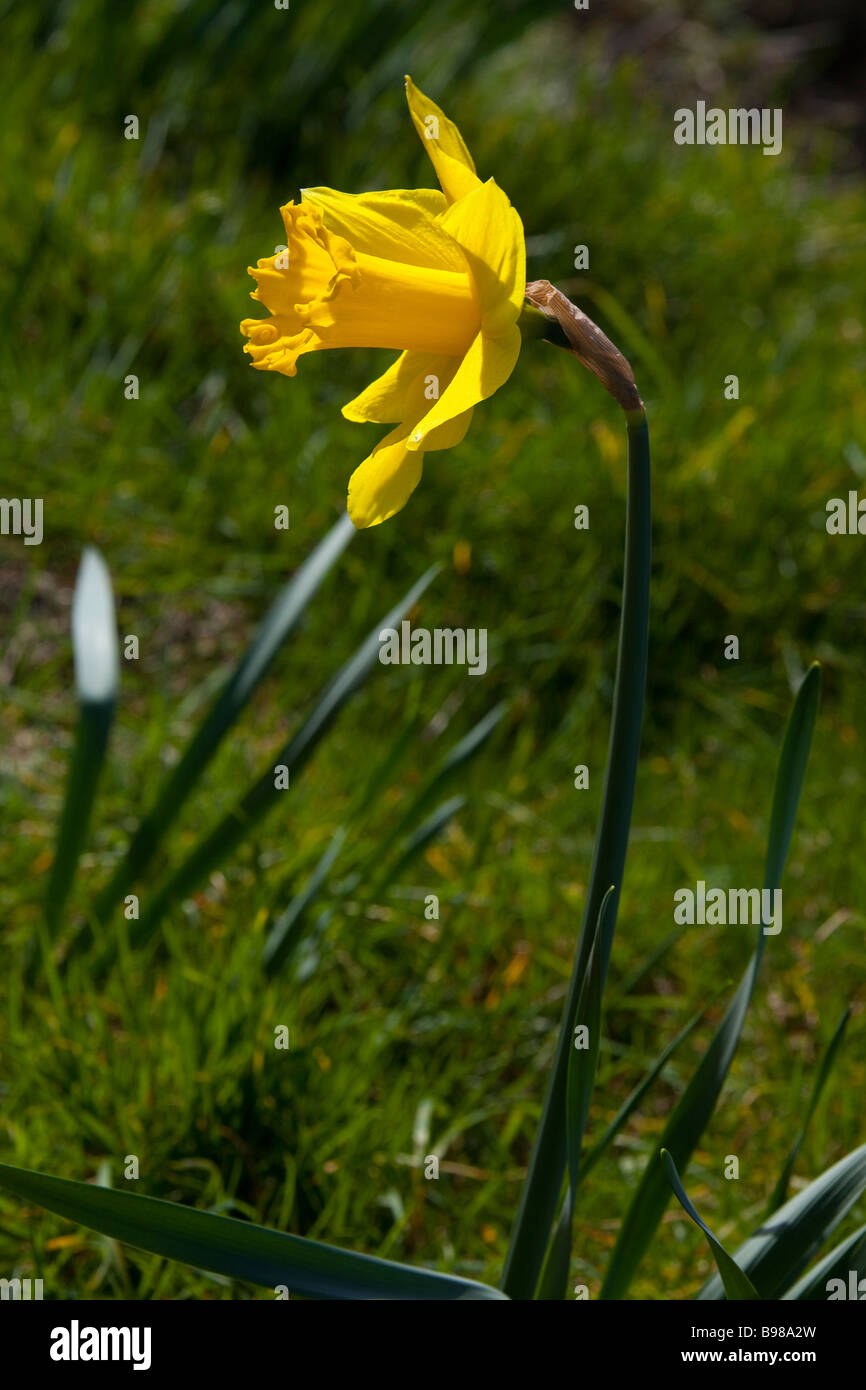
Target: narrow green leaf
583,1062
842,1261
278,623
212,851
416,837
426,833
582,1066
634,1099
285,932
95,649
553,1281
457,756
780,1191
649,962
737,1285
382,774
698,1101
547,1164
791,774
413,844
782,1247
235,1248
291,926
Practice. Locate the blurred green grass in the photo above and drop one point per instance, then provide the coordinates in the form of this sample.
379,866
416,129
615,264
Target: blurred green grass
120,256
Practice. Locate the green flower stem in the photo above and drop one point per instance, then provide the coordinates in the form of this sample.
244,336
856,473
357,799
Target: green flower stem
542,1188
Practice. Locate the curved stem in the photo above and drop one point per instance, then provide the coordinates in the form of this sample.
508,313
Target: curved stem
541,1190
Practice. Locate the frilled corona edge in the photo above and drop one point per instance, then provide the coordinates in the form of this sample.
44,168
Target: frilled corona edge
590,346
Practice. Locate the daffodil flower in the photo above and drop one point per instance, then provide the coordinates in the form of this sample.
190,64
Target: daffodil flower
439,276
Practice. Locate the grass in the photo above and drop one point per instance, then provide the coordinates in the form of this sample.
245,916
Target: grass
413,1036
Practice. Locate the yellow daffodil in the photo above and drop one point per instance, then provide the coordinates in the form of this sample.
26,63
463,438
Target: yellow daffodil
440,276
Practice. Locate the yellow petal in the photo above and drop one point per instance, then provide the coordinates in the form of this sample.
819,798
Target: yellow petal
383,483
396,224
444,144
405,390
450,434
490,233
488,363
